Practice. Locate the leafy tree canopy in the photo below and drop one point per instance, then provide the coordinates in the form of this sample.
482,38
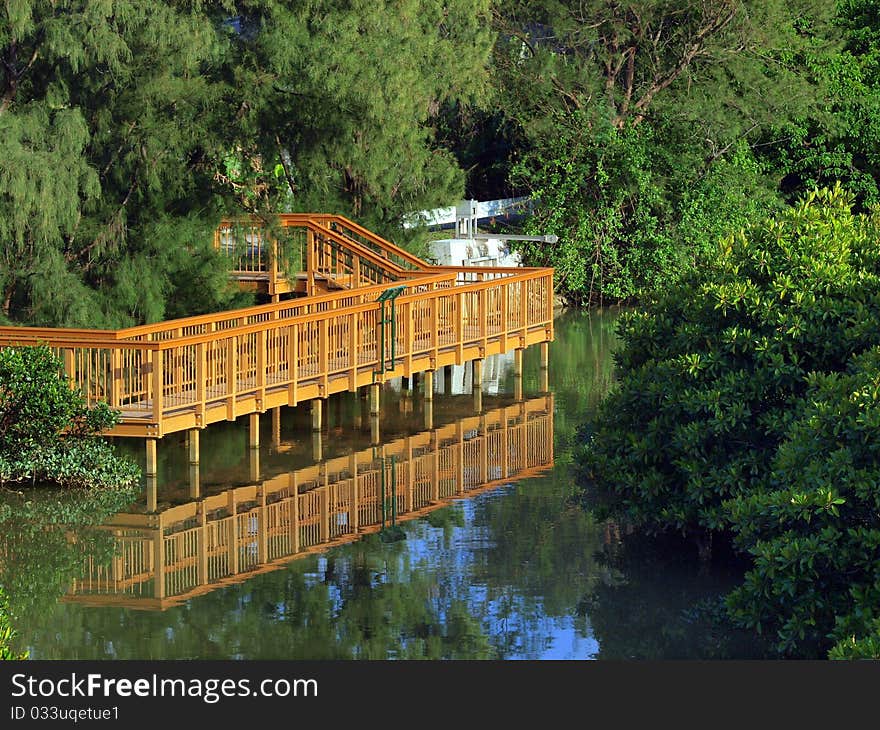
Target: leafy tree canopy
745,407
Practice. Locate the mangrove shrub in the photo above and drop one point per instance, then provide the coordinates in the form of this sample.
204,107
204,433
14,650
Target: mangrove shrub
48,432
746,407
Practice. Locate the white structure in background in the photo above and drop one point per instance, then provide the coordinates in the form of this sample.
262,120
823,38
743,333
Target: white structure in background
495,369
469,247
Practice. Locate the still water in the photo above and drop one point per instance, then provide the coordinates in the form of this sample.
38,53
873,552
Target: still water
457,535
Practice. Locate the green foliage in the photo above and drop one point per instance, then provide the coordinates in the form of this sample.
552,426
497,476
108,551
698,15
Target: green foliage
48,536
345,96
639,121
7,634
47,431
813,534
111,118
627,214
746,406
837,141
734,343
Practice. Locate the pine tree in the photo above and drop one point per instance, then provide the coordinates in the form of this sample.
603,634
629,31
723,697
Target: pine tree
345,98
110,119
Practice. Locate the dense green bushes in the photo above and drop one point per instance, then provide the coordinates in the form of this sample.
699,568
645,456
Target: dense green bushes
47,431
746,407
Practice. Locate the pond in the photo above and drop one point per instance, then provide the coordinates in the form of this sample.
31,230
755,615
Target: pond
456,534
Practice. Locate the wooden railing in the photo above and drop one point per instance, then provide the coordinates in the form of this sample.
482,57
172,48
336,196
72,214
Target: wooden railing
191,372
190,549
313,245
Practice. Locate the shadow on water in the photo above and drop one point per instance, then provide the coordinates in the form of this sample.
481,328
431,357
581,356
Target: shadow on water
285,551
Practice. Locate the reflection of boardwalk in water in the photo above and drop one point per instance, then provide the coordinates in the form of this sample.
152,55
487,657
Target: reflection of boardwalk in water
190,549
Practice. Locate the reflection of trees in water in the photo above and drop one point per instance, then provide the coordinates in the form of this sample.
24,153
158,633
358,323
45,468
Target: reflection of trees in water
581,370
368,600
658,601
544,547
48,535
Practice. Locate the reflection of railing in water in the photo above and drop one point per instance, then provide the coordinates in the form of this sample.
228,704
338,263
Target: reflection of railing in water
190,549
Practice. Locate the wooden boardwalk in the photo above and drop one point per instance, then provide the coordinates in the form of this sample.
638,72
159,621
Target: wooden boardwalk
190,549
187,373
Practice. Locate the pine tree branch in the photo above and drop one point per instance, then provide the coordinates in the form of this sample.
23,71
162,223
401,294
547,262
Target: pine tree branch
14,74
692,50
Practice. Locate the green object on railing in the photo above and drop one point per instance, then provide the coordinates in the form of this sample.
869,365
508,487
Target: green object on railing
388,296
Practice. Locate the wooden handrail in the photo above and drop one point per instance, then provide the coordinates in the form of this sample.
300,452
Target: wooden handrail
323,225
182,376
189,372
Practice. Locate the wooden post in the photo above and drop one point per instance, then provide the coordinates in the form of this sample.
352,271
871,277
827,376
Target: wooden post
115,377
325,513
482,299
459,472
505,445
477,381
310,263
231,375
293,365
545,365
408,335
477,385
435,471
324,356
158,385
374,429
69,366
151,475
503,292
262,530
152,492
435,327
203,546
152,458
428,412
518,373
254,464
261,360
159,563
254,430
374,399
201,383
410,476
193,449
459,329
276,428
484,451
195,483
316,414
355,493
428,387
317,446
354,351
233,532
